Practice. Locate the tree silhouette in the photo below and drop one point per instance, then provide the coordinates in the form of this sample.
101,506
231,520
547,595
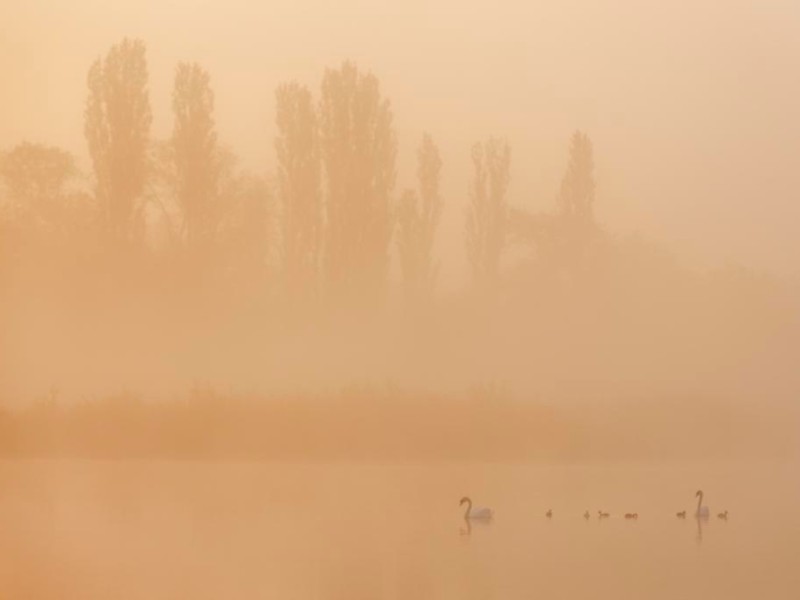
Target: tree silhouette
42,192
576,202
297,148
576,198
34,178
245,232
358,150
194,144
487,211
33,172
117,125
417,218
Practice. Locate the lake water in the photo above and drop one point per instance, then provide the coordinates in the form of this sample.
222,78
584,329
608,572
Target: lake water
160,529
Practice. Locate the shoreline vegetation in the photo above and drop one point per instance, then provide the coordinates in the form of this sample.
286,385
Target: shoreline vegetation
386,424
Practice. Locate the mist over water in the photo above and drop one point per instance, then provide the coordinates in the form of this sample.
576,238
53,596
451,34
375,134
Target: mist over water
205,530
280,283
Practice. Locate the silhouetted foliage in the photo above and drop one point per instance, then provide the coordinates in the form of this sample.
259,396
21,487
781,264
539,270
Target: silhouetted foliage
576,197
197,161
588,310
117,129
34,173
358,150
417,219
44,199
245,229
576,201
561,240
487,211
165,227
297,148
541,231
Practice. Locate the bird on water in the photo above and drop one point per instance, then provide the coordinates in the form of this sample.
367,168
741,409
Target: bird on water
475,512
702,511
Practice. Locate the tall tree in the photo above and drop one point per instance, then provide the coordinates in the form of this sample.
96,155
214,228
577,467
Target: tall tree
358,150
576,197
487,211
418,217
194,143
576,201
117,128
298,151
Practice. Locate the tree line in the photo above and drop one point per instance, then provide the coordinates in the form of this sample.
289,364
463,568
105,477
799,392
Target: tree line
321,231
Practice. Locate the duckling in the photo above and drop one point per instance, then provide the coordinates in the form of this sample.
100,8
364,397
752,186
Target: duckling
602,515
549,513
723,515
631,515
586,515
681,515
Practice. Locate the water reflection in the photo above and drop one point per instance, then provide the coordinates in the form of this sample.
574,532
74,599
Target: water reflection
198,530
470,523
466,530
701,520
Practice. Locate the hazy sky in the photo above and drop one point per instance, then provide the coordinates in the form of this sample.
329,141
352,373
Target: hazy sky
692,106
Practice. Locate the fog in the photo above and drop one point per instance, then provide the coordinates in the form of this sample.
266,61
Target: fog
671,276
282,281
689,105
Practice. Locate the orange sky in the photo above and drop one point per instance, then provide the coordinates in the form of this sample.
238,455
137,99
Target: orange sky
692,106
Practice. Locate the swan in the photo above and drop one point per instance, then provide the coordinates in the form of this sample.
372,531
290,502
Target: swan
549,513
479,512
702,511
723,515
681,515
586,515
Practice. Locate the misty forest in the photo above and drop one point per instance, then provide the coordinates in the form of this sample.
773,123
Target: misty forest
163,299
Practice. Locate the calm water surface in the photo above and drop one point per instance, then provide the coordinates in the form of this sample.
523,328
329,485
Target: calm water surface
93,529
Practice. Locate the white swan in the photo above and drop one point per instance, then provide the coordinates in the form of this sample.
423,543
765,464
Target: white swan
479,512
702,511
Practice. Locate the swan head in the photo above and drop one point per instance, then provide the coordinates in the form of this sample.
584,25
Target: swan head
699,493
464,499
